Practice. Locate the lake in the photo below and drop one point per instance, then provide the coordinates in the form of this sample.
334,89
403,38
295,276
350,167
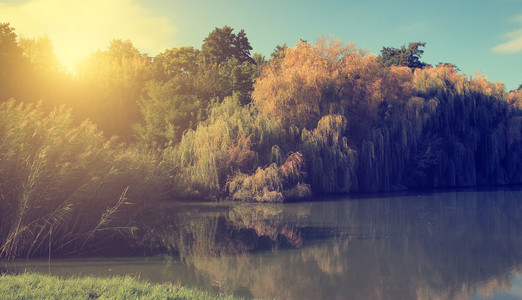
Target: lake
464,244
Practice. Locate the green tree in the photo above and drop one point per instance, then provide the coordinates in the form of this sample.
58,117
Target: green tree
114,80
168,110
237,78
176,62
13,64
30,71
46,76
226,66
40,53
173,102
187,81
222,44
261,62
259,59
278,52
406,57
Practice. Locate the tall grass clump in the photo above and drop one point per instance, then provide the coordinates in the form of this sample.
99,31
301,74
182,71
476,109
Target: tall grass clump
65,188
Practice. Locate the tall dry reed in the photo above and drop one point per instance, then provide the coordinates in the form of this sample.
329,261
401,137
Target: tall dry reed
65,188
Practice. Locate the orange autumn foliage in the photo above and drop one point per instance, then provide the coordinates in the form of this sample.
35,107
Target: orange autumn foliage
296,88
313,80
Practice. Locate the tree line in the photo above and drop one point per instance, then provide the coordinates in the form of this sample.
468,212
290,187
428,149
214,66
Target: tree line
222,123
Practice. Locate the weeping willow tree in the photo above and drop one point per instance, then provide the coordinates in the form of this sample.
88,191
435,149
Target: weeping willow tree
328,118
331,164
233,139
316,89
304,84
478,131
429,127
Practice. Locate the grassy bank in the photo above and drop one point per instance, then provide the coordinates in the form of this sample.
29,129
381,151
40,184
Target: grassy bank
37,286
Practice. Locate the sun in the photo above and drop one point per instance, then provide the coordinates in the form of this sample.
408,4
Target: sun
78,28
71,51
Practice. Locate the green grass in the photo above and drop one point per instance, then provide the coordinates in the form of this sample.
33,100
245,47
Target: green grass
38,286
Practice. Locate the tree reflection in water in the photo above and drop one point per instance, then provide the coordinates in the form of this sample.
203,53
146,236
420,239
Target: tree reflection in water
441,245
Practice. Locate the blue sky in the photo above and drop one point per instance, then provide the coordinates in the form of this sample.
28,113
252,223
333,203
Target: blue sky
483,35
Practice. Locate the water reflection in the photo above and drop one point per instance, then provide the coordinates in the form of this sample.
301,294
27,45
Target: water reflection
446,245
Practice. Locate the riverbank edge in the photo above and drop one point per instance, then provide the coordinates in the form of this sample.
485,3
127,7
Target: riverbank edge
40,286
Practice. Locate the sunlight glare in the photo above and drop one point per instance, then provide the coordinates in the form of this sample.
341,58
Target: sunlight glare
78,28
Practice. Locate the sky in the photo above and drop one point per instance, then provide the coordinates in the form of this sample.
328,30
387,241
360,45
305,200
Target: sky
479,36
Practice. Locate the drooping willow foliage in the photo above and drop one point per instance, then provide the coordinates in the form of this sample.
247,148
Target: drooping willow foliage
331,164
273,183
356,126
475,132
430,127
233,139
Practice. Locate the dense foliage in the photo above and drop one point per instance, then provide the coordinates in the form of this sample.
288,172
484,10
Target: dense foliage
220,123
407,57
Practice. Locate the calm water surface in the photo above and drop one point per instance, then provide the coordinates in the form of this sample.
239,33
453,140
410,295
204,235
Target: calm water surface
442,245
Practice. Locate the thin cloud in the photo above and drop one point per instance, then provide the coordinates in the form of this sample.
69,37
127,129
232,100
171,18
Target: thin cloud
78,28
419,26
514,43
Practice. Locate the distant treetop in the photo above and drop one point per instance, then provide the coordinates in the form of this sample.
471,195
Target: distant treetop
278,51
407,57
221,45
